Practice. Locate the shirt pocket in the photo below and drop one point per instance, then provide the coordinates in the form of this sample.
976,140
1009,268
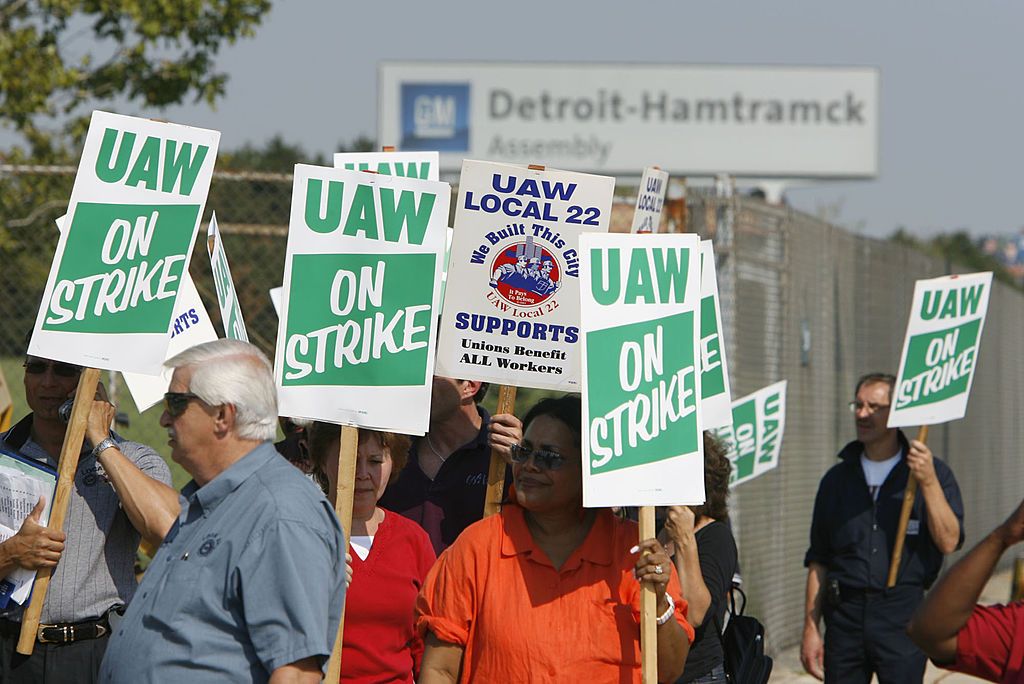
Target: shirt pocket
848,535
612,632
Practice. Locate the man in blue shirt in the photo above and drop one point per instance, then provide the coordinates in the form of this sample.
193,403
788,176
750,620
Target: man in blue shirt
856,514
248,585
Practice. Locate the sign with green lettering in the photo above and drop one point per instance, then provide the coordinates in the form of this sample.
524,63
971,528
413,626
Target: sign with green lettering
422,165
715,394
940,350
753,439
640,326
227,298
362,280
131,224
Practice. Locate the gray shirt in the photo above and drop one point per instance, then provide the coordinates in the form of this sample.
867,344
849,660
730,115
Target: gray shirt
249,579
97,569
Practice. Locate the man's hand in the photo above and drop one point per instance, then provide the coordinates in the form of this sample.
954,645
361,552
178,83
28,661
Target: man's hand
503,431
35,546
348,569
679,525
1012,530
921,465
812,652
101,415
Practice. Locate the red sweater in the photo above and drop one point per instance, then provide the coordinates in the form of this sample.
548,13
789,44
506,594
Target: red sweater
380,644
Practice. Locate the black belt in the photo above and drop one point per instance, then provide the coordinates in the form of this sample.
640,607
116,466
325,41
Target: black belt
62,633
848,593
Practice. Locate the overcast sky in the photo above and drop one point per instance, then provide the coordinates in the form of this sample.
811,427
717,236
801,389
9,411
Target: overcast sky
951,95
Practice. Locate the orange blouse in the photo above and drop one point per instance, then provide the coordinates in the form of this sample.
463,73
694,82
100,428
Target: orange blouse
495,593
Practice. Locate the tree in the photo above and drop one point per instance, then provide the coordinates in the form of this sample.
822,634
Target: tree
60,58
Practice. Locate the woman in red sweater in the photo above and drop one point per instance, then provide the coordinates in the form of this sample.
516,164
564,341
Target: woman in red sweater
390,559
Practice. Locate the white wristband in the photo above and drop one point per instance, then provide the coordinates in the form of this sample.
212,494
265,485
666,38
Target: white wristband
664,617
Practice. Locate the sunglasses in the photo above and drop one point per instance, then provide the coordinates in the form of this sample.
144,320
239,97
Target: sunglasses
60,369
175,403
543,458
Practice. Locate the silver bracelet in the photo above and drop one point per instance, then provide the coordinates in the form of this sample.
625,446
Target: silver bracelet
664,617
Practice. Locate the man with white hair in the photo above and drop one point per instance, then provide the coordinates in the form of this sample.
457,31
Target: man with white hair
248,585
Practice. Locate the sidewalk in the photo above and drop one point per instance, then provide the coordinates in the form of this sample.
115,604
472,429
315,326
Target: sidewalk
788,670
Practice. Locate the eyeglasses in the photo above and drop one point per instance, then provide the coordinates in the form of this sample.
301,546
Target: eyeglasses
543,458
872,407
175,403
60,369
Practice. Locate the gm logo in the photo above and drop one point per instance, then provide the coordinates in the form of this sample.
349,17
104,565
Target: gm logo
435,116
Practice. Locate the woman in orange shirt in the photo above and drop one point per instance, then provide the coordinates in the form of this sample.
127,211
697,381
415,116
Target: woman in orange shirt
547,591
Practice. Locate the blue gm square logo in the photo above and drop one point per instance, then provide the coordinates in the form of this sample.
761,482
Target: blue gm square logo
435,116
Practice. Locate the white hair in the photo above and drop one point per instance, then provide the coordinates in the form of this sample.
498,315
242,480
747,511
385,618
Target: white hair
237,373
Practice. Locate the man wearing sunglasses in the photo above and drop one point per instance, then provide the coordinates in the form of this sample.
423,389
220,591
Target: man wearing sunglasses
853,529
121,493
249,582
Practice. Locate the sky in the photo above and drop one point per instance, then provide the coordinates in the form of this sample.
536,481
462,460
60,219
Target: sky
950,98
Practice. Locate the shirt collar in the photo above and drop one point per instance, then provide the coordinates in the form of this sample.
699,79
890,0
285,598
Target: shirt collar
596,547
216,490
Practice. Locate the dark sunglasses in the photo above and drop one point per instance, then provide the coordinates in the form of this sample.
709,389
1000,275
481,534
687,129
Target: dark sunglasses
548,460
60,369
175,403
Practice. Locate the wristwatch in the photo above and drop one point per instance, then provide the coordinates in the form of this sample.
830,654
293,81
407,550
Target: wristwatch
103,446
664,617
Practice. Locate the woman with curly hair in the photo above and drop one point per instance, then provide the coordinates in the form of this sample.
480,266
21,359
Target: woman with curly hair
706,560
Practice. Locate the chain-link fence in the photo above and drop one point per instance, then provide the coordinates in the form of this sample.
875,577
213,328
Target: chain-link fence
810,303
803,301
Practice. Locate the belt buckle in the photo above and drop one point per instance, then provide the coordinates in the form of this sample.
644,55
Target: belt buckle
67,632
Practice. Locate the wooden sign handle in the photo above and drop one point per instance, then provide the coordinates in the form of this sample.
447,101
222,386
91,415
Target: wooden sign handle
74,436
496,471
349,446
648,610
901,531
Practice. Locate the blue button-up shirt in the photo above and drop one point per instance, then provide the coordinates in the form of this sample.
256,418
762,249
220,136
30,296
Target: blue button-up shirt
249,579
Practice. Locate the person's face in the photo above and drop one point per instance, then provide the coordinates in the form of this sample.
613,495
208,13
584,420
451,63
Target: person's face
521,262
539,489
546,268
872,412
193,433
45,391
445,398
373,471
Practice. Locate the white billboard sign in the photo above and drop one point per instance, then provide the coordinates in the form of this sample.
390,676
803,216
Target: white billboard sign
796,122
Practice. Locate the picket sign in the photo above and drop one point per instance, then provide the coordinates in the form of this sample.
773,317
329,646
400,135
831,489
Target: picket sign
650,199
496,469
940,353
227,297
133,214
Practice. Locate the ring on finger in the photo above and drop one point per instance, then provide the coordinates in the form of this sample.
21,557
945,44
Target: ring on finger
658,569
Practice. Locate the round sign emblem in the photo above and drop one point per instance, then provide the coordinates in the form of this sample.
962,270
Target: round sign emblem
525,274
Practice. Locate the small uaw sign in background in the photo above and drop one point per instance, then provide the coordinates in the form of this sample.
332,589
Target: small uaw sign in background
132,220
511,315
227,298
753,439
716,395
940,350
640,311
422,165
650,199
362,279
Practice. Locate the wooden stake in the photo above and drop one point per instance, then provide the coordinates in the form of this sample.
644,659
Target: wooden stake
6,404
387,148
908,504
648,610
496,471
74,436
343,508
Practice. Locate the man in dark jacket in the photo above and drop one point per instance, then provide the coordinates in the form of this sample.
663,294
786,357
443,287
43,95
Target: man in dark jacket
853,530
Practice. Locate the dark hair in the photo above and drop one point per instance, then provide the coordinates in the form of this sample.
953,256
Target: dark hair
872,378
568,409
717,470
322,435
482,392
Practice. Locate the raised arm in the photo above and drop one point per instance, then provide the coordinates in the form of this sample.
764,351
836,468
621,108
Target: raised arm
151,506
950,603
679,526
943,524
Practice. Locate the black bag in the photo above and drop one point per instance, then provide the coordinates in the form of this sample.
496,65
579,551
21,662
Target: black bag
743,645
